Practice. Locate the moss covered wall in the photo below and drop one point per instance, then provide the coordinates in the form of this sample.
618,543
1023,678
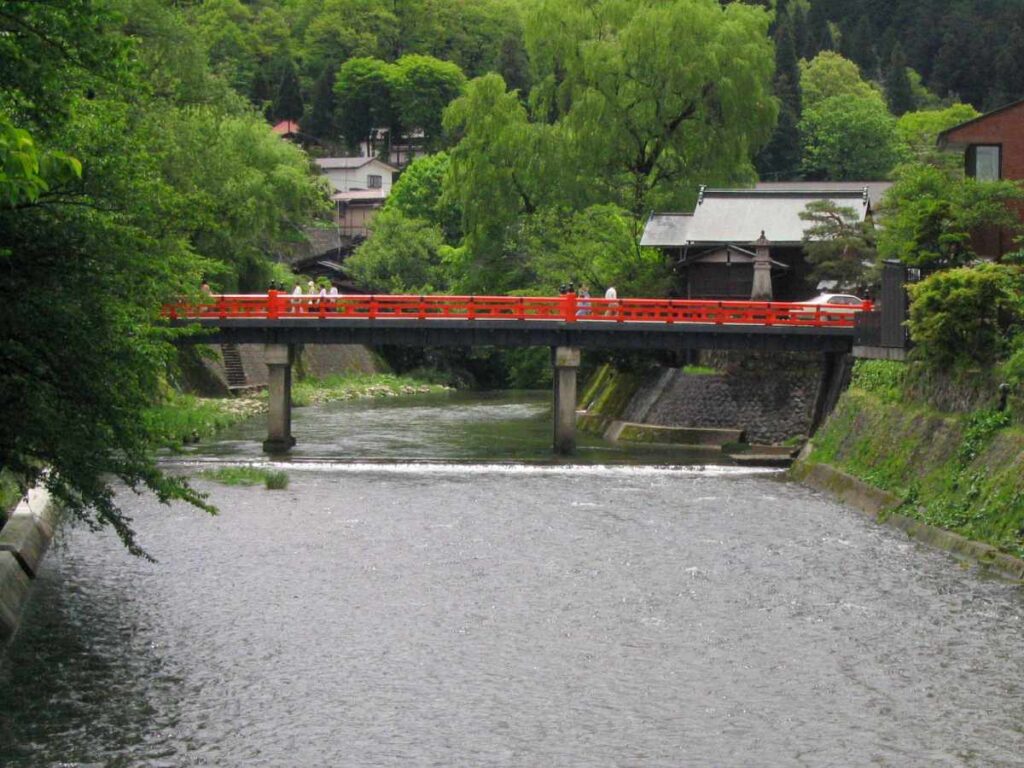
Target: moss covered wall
960,471
605,398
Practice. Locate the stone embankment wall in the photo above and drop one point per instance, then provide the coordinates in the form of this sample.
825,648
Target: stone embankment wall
770,397
204,372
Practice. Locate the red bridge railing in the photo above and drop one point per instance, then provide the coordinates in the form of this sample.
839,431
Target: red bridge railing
570,309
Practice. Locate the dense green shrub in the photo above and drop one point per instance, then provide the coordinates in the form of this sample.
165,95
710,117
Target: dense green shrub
967,316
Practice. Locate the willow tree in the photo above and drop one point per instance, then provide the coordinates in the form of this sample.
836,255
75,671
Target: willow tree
659,97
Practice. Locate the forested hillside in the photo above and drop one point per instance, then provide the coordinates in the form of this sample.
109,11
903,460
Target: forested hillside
284,54
969,49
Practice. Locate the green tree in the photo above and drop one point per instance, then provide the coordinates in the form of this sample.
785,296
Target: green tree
364,99
858,45
422,87
88,260
322,121
338,30
419,194
828,75
403,256
243,193
288,101
919,131
650,87
26,173
848,138
838,244
819,31
899,93
595,247
503,167
226,29
780,158
930,214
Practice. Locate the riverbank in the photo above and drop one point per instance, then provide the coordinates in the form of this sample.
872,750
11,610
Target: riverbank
961,472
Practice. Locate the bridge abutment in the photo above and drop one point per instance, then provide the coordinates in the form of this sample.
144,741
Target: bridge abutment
278,358
566,362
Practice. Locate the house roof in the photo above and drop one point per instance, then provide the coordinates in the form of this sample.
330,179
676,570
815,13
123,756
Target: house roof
876,189
360,196
947,138
349,163
285,127
742,215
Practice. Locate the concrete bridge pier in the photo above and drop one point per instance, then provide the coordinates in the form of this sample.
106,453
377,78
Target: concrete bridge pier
278,358
565,361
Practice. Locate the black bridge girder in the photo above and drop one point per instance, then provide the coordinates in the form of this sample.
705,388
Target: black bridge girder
590,334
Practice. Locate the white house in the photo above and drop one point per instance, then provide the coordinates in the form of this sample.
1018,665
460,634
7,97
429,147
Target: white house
348,174
361,184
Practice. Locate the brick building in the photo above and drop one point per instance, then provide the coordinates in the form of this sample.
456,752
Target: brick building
993,149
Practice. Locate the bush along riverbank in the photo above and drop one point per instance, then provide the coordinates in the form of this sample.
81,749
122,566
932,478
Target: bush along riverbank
939,444
182,419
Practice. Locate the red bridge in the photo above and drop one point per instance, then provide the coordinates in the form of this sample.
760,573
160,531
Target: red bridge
568,309
566,324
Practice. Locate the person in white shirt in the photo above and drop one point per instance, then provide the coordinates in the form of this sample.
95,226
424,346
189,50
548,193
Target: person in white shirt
611,295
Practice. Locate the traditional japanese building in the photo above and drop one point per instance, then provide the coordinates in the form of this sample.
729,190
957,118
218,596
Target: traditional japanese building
714,249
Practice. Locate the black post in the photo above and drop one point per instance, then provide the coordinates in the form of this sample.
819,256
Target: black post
894,304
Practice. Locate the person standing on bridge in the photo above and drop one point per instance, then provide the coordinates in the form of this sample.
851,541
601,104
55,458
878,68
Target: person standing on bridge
611,296
583,307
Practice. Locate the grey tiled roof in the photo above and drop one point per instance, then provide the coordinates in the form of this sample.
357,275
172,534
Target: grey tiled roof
875,188
739,216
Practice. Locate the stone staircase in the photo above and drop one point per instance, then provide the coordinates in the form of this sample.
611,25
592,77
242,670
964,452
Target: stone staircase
233,367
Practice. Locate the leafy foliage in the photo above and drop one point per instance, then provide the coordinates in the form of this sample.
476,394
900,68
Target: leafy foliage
828,75
899,93
966,316
930,214
423,86
404,256
919,131
420,194
362,91
176,173
849,137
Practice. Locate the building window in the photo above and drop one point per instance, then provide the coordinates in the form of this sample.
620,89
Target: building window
374,181
983,162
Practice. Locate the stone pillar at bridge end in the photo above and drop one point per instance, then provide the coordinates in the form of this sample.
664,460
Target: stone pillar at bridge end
565,361
278,358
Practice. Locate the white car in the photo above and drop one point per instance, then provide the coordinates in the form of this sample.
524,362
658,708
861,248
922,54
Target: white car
834,306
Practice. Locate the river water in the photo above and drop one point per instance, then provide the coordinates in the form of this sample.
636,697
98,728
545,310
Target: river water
486,609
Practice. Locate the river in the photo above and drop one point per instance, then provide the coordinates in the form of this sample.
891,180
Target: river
429,592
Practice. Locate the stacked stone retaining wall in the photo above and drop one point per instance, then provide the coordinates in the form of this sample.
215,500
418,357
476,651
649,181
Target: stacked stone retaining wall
203,370
771,397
